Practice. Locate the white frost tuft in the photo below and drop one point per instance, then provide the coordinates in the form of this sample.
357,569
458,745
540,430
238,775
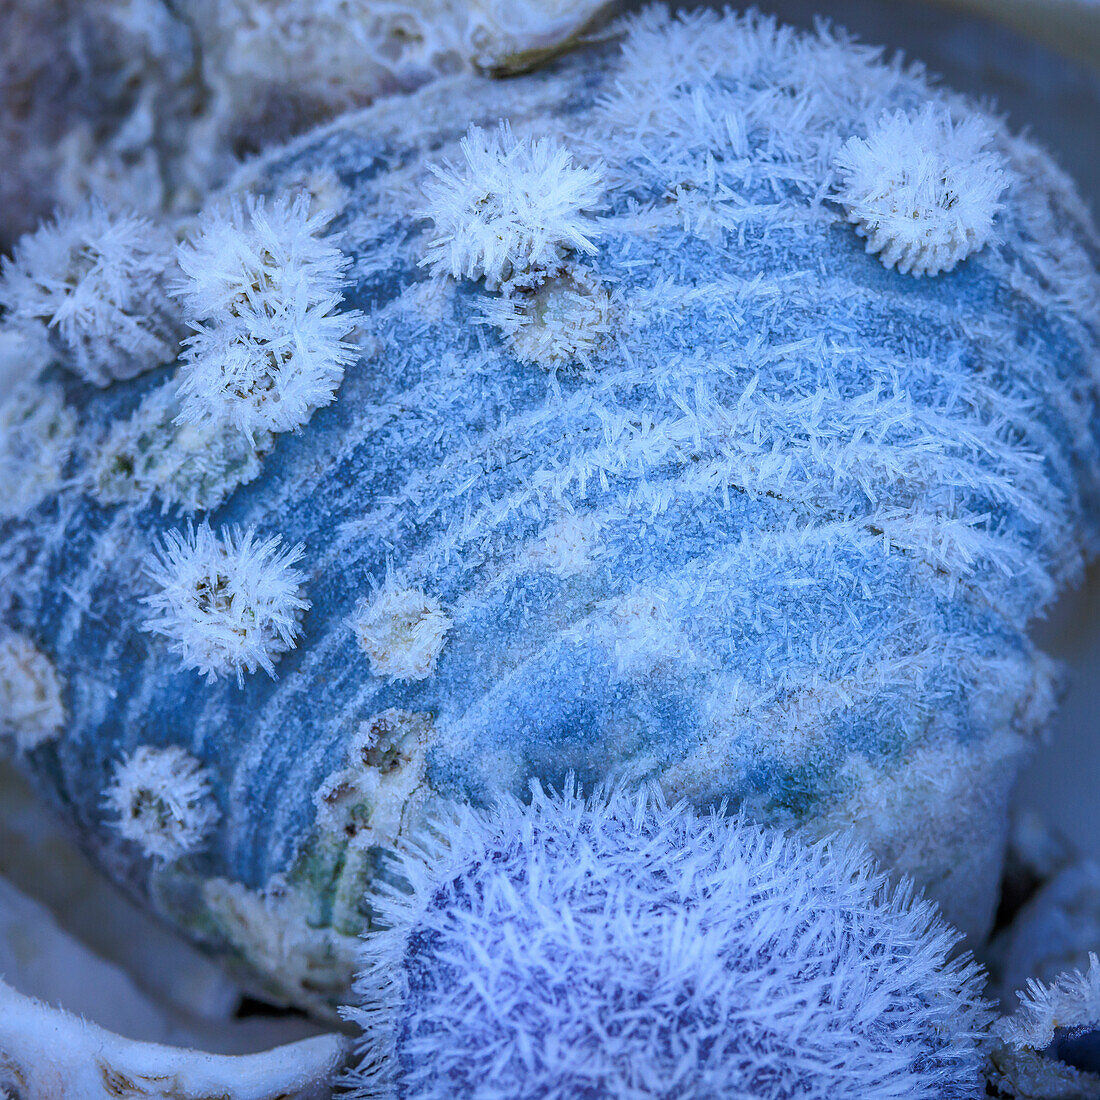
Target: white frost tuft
616,947
513,206
96,280
228,603
30,693
162,801
1071,1001
402,631
923,188
260,289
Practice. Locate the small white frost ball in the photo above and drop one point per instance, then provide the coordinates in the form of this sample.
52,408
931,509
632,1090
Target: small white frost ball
617,947
161,800
513,206
402,631
97,281
923,188
30,693
228,603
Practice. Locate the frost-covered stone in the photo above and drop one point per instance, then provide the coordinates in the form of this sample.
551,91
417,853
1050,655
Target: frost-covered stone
776,537
615,947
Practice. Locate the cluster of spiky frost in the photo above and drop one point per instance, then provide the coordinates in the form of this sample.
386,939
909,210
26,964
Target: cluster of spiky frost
260,287
228,603
161,800
617,947
97,281
923,188
402,631
1071,1002
30,693
514,206
188,466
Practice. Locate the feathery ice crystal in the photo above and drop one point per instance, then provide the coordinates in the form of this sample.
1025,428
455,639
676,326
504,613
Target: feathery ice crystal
260,287
923,188
402,630
515,205
228,603
618,947
161,800
30,693
1072,1001
97,281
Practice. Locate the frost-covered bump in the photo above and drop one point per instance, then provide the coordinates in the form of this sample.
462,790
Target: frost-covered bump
97,281
366,802
261,287
923,188
191,467
402,631
37,429
554,318
513,206
617,947
30,693
161,799
228,603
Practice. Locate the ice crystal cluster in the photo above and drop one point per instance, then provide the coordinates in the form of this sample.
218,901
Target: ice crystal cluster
161,800
640,465
924,188
261,287
617,947
228,603
97,281
513,206
1070,1003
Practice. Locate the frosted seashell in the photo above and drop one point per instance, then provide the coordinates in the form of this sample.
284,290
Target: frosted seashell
775,537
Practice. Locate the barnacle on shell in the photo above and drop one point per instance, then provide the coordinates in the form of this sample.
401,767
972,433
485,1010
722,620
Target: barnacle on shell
513,206
228,603
30,693
260,287
161,800
923,188
402,631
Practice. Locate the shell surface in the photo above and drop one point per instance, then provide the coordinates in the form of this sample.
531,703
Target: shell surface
771,532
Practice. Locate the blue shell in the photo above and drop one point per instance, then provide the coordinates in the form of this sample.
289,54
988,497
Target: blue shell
824,499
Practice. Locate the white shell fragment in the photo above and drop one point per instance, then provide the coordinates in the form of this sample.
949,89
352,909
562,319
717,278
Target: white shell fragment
47,1054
